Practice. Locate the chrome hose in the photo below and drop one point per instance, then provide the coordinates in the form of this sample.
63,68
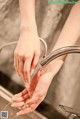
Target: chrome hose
59,52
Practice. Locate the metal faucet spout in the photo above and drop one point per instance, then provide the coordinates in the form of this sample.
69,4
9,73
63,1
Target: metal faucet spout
59,52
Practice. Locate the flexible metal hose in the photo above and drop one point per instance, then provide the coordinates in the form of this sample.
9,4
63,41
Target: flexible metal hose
59,52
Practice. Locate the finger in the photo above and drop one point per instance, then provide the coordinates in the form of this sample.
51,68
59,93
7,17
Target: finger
20,104
28,110
25,111
26,96
20,96
24,91
20,99
16,96
32,106
27,66
21,67
16,62
17,99
34,62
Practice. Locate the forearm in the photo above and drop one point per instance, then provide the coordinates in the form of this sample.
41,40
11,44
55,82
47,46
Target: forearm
71,30
69,35
27,13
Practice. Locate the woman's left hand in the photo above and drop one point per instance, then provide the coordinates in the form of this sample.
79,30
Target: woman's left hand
29,99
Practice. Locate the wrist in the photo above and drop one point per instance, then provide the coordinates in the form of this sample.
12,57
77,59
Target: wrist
54,66
28,28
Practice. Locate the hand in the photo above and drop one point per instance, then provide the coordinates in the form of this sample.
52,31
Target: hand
29,99
20,98
26,54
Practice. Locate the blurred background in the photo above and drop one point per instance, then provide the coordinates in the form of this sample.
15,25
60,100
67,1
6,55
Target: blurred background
65,86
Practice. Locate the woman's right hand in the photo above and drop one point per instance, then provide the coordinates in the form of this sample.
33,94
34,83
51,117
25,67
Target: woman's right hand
26,54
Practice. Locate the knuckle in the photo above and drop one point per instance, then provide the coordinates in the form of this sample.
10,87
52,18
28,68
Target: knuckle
21,56
28,57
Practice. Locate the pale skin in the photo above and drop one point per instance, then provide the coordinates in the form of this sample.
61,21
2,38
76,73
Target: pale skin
25,59
27,52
